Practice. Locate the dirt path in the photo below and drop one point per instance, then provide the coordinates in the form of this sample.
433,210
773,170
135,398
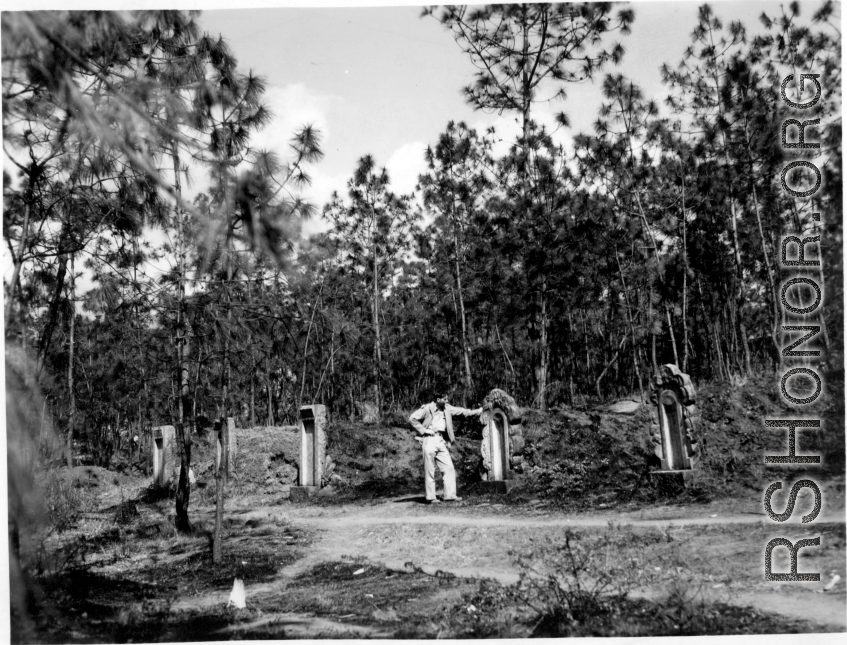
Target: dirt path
346,531
401,511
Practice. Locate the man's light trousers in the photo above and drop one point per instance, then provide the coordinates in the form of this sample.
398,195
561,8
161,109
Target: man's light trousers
435,452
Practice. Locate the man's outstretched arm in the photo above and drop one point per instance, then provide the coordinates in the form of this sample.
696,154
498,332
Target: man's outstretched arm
465,412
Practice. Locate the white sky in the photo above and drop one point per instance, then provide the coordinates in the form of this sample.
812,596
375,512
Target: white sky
384,81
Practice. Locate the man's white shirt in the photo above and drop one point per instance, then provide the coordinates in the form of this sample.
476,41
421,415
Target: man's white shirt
439,422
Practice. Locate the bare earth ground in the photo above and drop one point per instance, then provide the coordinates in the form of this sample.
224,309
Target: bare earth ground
724,551
395,567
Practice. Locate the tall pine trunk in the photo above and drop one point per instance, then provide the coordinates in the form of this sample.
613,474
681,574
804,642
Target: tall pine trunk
684,365
543,366
221,472
18,258
462,316
56,299
543,348
377,362
736,247
269,392
71,394
631,324
183,493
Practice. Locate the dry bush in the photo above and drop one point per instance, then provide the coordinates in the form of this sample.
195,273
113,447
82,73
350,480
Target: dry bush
574,582
66,502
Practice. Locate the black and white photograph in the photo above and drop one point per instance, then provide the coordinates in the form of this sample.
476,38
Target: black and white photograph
489,321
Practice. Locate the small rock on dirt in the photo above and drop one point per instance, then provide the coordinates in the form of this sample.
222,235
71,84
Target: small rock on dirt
385,615
627,406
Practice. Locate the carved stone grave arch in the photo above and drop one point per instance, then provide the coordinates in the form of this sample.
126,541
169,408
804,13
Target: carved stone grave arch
675,443
313,457
226,435
502,440
165,457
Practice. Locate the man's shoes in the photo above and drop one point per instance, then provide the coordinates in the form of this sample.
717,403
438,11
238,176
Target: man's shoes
452,499
433,501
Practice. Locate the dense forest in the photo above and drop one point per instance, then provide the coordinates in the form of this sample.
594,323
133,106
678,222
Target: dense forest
562,275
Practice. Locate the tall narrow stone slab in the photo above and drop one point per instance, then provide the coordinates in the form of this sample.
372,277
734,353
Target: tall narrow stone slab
502,440
232,442
675,444
165,456
313,458
498,446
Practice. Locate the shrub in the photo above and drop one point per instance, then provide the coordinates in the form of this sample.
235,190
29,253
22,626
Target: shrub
571,585
488,613
66,502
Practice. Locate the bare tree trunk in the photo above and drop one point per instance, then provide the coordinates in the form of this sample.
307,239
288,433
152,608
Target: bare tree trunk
223,434
671,334
18,258
684,280
222,466
269,392
572,361
252,363
649,231
252,391
377,346
635,360
722,369
739,287
55,300
608,365
503,348
544,349
462,316
71,394
183,493
306,348
736,247
771,279
652,333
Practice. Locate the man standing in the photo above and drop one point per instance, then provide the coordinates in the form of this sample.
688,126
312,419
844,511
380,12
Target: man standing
432,421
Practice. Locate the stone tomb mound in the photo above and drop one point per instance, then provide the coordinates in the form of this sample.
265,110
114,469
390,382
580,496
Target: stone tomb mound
268,459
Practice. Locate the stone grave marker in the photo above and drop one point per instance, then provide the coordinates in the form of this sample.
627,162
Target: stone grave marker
672,392
502,441
165,456
313,456
230,438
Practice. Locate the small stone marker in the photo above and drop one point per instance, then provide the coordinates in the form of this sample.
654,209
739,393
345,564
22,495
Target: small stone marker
238,596
312,451
502,441
672,392
165,458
